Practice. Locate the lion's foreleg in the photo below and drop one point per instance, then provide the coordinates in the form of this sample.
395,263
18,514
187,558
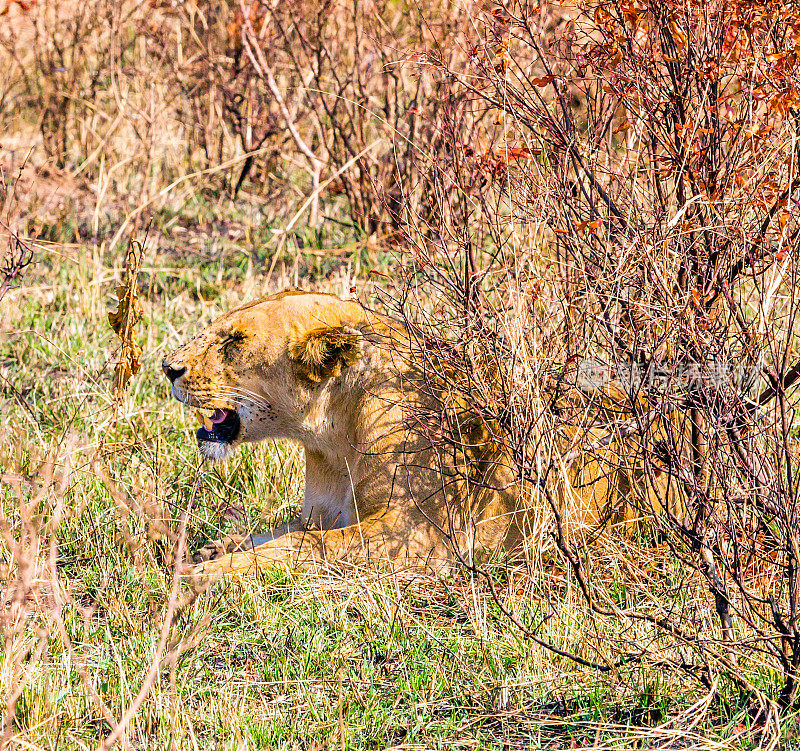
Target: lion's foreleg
381,541
243,542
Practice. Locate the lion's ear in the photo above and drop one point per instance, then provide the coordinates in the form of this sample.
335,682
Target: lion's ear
322,353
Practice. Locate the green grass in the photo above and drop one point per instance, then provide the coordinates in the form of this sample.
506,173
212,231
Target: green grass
282,661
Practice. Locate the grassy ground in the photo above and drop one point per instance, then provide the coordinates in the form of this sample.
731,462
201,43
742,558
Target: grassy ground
96,491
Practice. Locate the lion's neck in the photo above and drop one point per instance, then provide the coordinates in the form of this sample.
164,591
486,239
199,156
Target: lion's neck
343,455
328,501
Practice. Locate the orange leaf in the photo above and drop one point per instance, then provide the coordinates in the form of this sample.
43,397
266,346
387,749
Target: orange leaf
516,152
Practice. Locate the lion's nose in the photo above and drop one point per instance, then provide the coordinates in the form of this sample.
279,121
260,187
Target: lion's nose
172,373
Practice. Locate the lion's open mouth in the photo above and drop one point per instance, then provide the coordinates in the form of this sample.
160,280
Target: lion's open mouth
219,425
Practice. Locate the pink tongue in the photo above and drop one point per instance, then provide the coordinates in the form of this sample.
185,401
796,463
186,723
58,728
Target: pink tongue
219,415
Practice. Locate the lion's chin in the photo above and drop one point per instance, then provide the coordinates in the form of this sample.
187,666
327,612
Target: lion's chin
215,451
217,437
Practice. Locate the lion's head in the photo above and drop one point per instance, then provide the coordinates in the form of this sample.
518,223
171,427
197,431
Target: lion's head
257,371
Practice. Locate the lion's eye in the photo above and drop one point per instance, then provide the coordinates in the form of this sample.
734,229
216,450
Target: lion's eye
230,344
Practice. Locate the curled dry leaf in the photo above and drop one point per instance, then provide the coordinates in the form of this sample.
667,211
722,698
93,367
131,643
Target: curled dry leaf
123,320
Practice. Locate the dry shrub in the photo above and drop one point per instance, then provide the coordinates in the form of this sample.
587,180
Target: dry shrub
93,85
338,102
606,275
338,90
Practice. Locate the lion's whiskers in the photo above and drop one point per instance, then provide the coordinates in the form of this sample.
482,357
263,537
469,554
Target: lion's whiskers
239,393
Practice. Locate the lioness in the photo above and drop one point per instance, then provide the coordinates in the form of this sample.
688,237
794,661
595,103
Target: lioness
327,373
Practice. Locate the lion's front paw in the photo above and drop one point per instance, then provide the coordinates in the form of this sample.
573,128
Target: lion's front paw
230,544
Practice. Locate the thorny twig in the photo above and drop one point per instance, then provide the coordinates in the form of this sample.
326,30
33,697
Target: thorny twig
18,257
